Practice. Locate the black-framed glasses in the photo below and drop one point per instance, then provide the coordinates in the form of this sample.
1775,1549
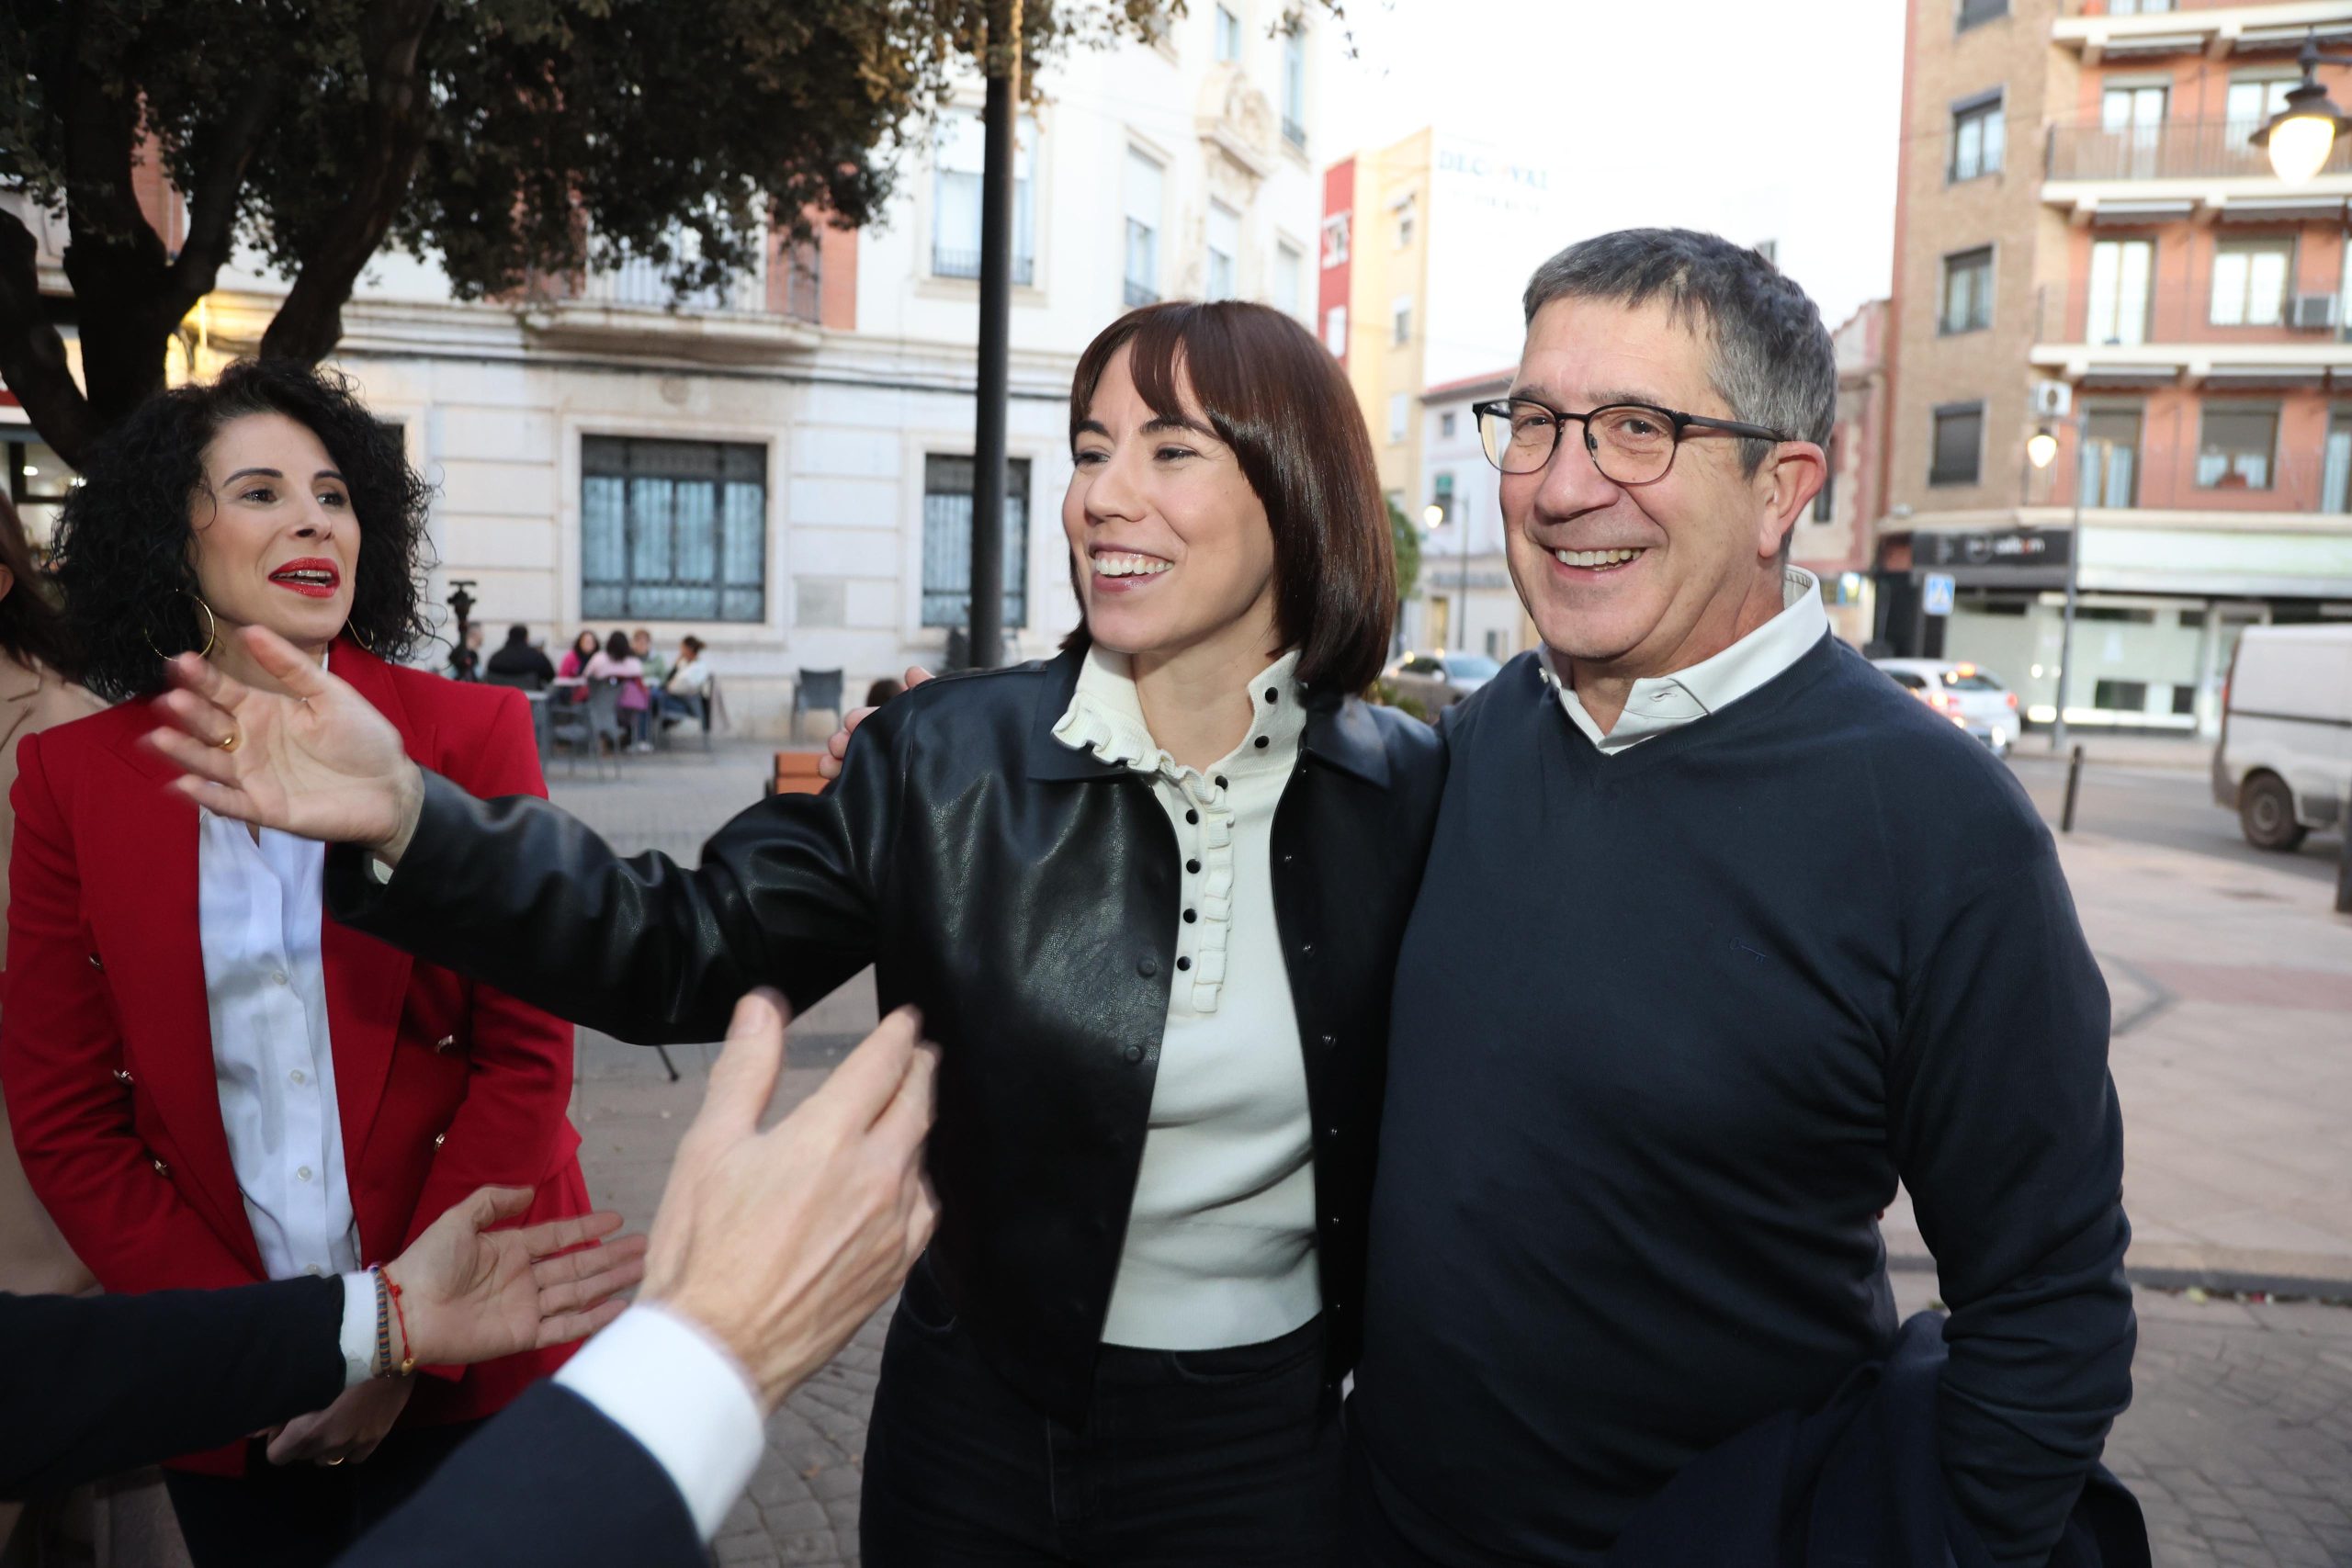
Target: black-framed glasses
1632,444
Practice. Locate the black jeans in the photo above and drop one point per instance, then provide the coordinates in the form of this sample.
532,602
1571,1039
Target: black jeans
1226,1457
303,1516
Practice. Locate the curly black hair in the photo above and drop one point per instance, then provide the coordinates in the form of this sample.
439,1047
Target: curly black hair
123,557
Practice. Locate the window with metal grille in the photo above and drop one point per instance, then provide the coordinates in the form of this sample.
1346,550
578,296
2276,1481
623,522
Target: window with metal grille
672,530
1968,292
947,541
1959,443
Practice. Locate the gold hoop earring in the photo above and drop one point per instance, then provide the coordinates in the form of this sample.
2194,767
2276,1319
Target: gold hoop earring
211,630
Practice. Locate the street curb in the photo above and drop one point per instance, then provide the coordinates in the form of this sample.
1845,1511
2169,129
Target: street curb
2222,1271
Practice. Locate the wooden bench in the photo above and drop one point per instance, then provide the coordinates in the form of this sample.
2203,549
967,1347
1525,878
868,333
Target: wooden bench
795,774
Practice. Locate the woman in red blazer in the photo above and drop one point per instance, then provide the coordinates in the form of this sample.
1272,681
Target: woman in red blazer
211,1083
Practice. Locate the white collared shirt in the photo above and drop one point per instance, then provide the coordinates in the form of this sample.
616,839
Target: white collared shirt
1660,703
1220,1242
259,913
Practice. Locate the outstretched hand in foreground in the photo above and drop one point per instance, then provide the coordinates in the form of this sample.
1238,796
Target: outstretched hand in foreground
314,759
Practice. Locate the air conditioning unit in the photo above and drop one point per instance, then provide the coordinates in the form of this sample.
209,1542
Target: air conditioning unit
2313,312
2053,399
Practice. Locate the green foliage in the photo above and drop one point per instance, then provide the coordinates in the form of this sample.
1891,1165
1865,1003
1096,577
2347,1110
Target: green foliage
1408,551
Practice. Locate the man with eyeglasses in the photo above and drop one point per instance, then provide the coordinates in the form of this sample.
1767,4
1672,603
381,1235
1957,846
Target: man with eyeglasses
1689,989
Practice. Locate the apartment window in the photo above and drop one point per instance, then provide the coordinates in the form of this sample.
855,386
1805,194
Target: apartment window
1290,267
2234,447
672,530
1975,13
2250,282
2120,292
1400,409
947,541
1400,320
2111,459
2336,474
2139,107
2253,101
1405,223
1442,494
1959,445
1335,240
1978,138
2120,697
1228,36
955,216
1225,249
1968,292
1445,426
1147,196
1294,83
1335,330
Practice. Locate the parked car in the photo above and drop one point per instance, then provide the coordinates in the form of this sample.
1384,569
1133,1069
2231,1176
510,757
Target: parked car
2284,763
1439,680
1984,707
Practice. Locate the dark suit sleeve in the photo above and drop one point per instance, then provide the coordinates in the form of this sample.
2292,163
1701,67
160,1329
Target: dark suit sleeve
90,1385
516,893
2007,1132
549,1482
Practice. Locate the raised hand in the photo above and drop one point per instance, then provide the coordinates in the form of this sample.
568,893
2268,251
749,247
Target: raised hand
314,759
781,1243
471,1293
837,744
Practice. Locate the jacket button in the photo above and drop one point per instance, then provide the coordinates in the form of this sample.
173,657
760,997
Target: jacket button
162,1170
1192,866
1306,950
1330,1131
1135,1052
1329,1040
1274,694
1183,964
96,964
121,1077
439,1139
1191,915
1147,967
1289,859
1264,741
1220,782
1192,816
444,1043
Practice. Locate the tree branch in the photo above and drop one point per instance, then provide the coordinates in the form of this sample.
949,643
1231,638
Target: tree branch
309,322
32,353
213,204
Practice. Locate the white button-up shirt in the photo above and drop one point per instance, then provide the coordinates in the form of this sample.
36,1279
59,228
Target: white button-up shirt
259,907
1220,1243
1660,703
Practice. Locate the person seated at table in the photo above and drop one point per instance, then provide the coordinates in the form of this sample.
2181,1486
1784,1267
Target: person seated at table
515,656
615,662
575,662
686,694
657,667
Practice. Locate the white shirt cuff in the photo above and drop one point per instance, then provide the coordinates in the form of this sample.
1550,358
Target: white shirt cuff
358,1339
661,1378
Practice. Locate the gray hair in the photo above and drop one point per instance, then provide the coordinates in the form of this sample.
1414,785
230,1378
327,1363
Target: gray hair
1772,361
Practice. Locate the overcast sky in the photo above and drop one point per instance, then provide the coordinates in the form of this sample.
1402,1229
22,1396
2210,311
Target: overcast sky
1754,120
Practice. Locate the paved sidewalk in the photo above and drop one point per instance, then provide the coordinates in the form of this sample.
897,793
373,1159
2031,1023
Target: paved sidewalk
2234,1060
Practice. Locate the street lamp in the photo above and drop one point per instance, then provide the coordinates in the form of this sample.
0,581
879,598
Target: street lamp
1434,518
2040,450
2299,137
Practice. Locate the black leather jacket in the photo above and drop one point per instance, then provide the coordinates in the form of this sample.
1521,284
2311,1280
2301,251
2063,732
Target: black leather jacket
1024,895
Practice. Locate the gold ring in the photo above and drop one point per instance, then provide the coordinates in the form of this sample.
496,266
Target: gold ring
236,738
336,1460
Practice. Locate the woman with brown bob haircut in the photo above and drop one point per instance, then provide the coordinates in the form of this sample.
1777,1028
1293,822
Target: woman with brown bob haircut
1148,896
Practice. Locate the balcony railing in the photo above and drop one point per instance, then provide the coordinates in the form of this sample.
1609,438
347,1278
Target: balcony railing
2156,474
946,263
2188,313
640,284
2180,148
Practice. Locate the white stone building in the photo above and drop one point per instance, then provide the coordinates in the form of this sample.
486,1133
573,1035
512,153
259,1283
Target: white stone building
783,471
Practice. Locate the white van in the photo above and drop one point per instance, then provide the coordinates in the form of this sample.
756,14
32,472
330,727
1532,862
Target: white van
2284,764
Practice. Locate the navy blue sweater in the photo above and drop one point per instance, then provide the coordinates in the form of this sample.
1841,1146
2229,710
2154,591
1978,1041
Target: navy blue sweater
1668,1027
